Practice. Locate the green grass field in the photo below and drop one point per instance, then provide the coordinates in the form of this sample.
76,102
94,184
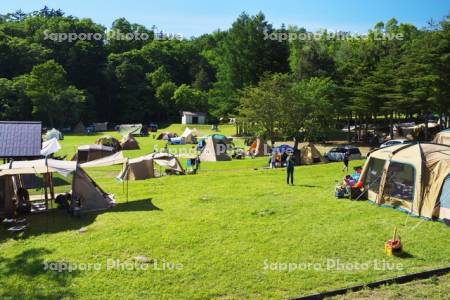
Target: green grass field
225,233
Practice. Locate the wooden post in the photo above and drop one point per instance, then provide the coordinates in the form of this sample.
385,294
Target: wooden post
45,191
52,189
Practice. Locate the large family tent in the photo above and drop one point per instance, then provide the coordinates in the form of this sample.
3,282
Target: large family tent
90,196
129,143
442,137
54,134
166,136
127,129
79,128
189,136
214,150
109,141
87,153
413,177
309,154
259,147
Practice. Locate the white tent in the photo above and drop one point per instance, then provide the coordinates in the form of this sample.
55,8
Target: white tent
38,166
49,147
190,135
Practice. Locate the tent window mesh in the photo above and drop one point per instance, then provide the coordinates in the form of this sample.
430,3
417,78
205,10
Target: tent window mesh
374,172
400,181
445,193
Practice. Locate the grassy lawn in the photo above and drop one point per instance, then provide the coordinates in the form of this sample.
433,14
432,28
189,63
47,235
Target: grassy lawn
226,229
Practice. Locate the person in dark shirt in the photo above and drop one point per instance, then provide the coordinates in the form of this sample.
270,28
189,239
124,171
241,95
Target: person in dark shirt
346,159
290,168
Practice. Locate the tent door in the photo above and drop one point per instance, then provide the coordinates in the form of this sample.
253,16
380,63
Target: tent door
444,199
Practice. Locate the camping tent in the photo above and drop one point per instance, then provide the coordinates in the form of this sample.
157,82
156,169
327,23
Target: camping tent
309,154
49,147
214,150
79,128
54,133
92,152
166,136
127,129
259,147
143,167
91,196
139,168
413,177
129,143
109,141
442,137
190,136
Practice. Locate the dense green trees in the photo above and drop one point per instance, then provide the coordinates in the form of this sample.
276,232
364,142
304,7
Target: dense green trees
297,87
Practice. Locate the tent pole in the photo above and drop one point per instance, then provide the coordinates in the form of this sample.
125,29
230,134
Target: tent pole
127,189
52,189
45,191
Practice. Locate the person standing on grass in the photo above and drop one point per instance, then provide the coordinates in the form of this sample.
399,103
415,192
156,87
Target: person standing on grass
290,168
346,159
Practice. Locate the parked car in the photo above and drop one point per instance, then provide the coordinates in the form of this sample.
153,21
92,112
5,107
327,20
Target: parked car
337,154
394,142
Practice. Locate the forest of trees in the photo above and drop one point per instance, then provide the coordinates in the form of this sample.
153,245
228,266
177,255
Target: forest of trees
278,84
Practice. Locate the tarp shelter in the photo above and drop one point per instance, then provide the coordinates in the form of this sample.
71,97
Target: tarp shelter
54,133
190,136
49,147
214,150
442,137
79,128
129,143
413,177
259,147
143,167
309,154
139,168
109,141
127,129
91,197
166,136
87,153
101,126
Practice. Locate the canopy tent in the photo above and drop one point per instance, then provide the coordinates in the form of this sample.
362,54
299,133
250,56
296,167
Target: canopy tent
214,150
309,154
129,143
259,147
54,134
413,177
89,195
87,153
127,129
49,147
190,135
114,159
442,137
166,136
79,128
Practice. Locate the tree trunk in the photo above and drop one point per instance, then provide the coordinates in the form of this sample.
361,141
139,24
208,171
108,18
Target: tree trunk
391,125
349,120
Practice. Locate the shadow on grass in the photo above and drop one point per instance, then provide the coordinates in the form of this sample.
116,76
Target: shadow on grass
404,254
55,220
29,267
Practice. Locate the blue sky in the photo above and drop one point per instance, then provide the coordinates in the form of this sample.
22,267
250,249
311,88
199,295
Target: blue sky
192,18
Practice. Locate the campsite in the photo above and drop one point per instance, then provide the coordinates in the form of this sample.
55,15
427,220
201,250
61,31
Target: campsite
224,150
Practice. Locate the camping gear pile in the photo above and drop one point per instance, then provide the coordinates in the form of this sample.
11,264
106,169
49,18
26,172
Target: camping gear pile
393,246
350,186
